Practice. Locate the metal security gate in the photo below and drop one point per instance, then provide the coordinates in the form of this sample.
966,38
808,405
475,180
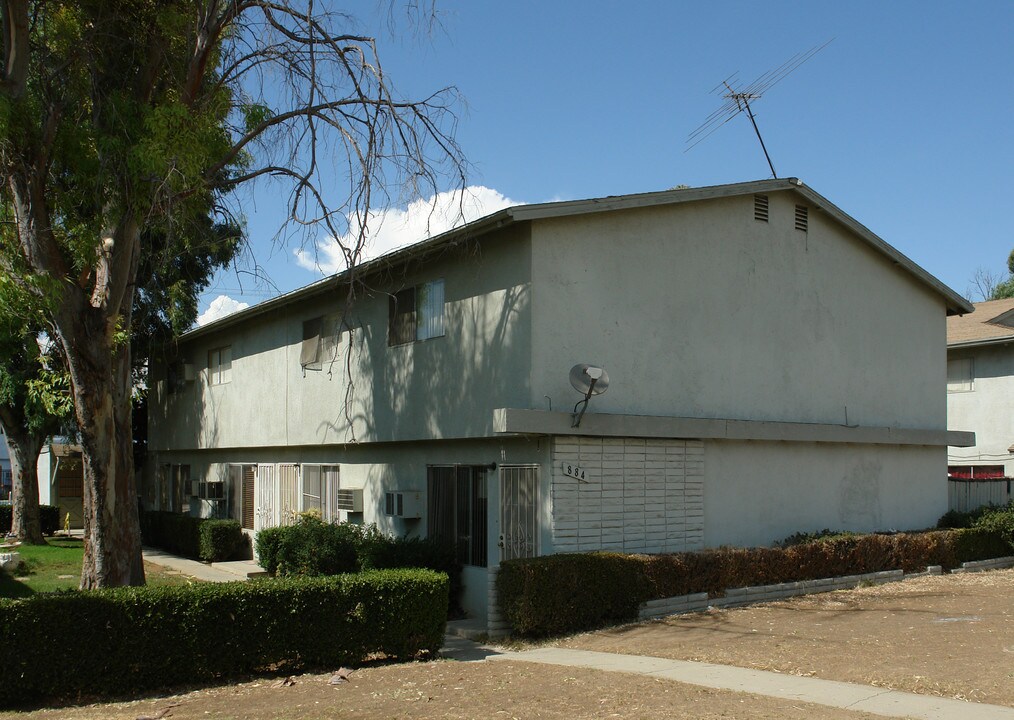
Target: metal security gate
519,511
265,514
288,494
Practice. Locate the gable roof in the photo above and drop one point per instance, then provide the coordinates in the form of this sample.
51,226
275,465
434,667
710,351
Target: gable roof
986,326
955,303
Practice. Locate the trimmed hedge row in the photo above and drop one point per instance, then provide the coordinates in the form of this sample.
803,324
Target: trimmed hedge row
999,520
556,594
131,639
313,547
203,538
49,519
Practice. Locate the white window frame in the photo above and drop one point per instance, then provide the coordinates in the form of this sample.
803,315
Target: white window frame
427,312
961,375
220,365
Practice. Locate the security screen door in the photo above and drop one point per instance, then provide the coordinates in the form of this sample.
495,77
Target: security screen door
519,511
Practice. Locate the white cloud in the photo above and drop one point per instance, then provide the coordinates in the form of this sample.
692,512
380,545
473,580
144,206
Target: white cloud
220,307
395,228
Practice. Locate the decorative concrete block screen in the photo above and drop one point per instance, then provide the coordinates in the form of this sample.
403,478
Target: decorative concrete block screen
636,495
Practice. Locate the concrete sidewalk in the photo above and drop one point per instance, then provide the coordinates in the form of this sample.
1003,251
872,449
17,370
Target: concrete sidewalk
848,696
237,570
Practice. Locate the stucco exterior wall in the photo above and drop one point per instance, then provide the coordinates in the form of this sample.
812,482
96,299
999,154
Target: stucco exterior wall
988,409
444,387
699,310
756,493
379,468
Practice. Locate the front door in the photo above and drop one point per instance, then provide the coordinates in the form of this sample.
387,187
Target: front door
519,511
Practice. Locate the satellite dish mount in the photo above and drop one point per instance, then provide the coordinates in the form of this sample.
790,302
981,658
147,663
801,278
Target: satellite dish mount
588,380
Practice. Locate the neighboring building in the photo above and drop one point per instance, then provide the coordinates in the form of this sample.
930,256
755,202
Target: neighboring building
774,367
980,397
61,480
6,480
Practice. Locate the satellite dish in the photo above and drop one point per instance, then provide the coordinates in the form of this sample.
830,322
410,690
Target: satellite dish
588,379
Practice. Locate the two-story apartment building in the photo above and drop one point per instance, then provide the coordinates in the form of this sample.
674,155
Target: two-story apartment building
773,367
980,397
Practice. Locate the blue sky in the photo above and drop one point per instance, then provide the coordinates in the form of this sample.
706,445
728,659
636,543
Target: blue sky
904,120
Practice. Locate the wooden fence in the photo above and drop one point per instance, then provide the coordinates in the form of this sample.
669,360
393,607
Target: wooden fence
965,495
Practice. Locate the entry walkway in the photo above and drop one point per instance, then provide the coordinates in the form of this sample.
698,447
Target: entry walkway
848,696
213,572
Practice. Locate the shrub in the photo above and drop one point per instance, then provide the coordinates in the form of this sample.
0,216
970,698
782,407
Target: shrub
221,539
978,543
313,547
565,593
999,521
156,637
379,551
49,518
173,532
266,545
556,594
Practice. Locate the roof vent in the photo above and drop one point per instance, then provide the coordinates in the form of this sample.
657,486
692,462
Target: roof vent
802,217
760,208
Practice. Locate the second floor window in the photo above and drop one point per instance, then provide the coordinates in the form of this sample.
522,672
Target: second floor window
220,365
416,313
960,375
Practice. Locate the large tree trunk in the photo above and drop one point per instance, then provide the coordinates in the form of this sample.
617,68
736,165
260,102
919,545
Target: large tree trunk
91,331
102,404
25,524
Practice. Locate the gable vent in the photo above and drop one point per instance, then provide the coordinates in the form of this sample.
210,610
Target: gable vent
760,208
802,217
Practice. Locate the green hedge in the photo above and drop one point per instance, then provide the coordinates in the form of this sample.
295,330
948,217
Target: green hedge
221,540
565,593
202,538
130,639
313,547
173,532
49,519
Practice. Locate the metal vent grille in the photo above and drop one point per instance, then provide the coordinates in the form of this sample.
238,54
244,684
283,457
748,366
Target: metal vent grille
802,217
345,500
760,208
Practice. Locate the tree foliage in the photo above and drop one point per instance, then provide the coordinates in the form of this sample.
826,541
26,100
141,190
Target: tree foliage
34,404
125,128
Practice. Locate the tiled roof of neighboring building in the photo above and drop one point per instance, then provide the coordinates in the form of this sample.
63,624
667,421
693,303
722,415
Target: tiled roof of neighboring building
982,326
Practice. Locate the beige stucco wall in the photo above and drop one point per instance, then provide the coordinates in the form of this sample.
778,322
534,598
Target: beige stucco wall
444,387
988,409
756,493
700,310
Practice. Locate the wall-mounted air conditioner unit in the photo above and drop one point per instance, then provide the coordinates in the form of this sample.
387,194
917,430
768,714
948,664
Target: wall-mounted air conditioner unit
350,499
404,504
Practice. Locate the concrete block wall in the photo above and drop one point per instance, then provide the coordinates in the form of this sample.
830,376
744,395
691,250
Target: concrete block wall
638,496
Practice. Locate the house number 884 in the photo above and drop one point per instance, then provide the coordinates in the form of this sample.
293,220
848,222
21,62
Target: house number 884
572,470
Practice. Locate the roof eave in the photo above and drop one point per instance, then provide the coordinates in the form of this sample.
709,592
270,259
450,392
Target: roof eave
980,343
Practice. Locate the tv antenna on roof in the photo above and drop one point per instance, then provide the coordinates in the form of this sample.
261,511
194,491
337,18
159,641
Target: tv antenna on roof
737,100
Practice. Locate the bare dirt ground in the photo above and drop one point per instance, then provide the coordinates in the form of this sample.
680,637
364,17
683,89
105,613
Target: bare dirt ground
449,689
951,635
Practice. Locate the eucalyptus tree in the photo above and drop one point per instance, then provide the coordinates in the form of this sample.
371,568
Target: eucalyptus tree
119,114
34,404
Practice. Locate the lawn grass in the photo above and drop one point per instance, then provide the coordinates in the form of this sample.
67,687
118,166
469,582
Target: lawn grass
57,566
